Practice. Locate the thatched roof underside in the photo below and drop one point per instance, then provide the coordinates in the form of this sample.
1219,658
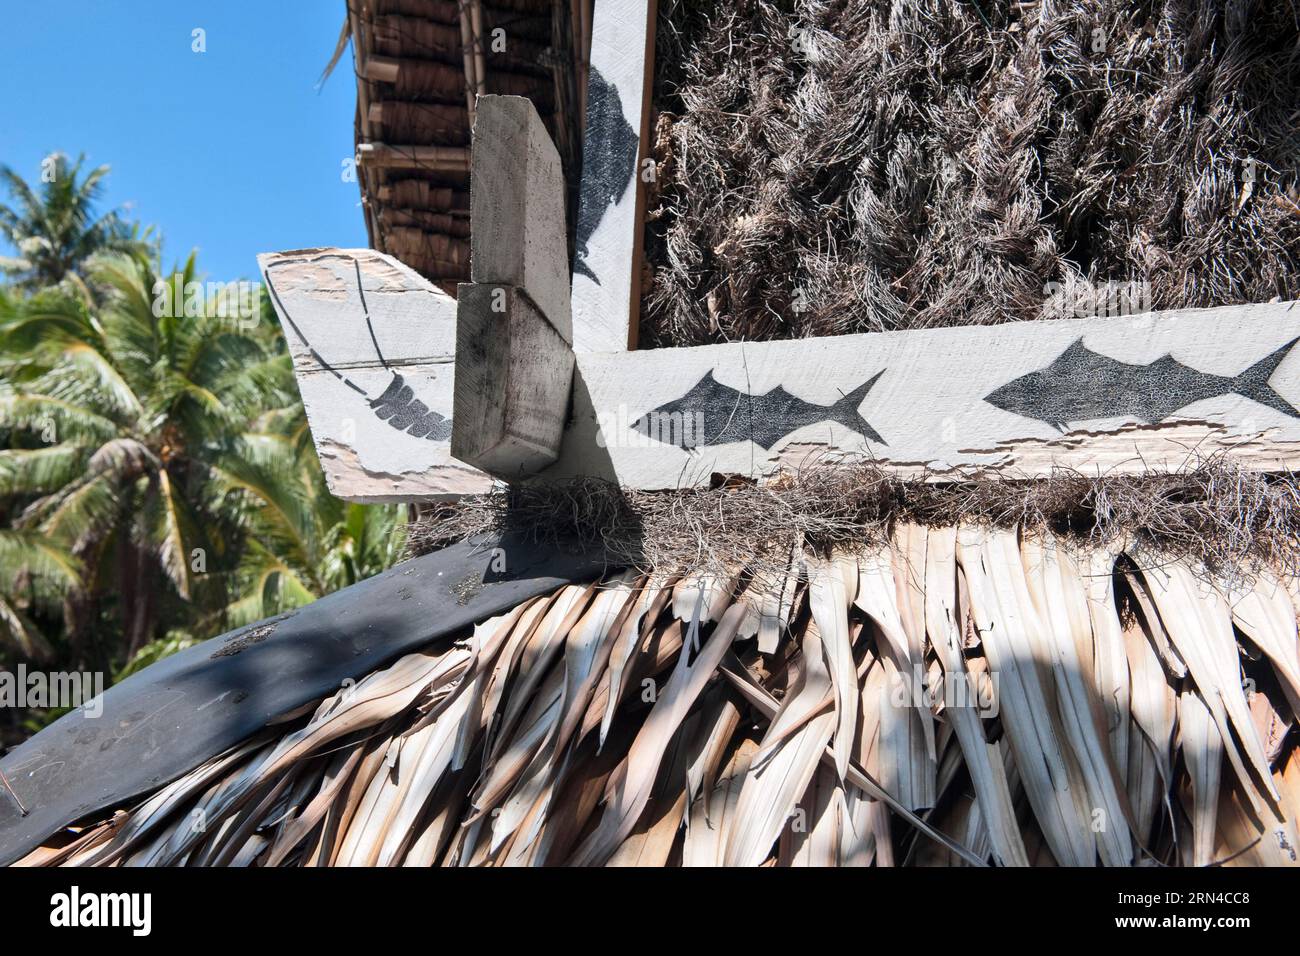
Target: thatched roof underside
868,165
957,695
419,65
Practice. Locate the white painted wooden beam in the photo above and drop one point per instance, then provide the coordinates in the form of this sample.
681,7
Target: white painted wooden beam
512,382
607,264
373,346
1112,395
517,207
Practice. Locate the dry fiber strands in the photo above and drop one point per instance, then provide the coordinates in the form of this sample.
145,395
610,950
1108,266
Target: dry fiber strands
869,165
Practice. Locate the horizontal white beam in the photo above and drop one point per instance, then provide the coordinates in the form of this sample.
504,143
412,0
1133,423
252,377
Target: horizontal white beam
1108,395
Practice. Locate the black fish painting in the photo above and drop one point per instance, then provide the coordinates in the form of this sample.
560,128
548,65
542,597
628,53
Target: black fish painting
608,162
401,409
715,414
397,406
1082,385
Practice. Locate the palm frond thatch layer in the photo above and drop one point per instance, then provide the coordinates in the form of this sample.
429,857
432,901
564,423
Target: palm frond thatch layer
953,695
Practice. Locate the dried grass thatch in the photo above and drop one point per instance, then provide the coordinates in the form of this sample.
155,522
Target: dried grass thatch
833,167
1212,513
951,695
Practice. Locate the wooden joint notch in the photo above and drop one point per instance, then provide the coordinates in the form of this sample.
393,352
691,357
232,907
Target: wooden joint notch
513,375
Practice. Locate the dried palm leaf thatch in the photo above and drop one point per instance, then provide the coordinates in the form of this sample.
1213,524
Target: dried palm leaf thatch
950,695
863,165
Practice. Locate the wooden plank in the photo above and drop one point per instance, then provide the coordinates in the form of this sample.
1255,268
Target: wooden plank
512,384
443,159
517,207
471,69
373,346
1111,395
606,268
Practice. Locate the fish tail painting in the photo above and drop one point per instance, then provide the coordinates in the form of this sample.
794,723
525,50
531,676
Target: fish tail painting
397,405
845,411
1253,383
608,162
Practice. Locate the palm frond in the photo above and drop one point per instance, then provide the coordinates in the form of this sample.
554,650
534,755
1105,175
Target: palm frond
635,721
88,507
21,634
175,535
34,572
38,471
69,420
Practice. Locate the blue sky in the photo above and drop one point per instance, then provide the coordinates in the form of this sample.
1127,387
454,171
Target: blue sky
232,151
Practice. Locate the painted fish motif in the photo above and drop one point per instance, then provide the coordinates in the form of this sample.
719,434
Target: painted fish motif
1082,385
715,414
397,406
608,162
402,410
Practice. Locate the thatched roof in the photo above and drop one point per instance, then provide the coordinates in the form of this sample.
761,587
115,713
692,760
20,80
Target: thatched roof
860,166
844,668
951,696
415,89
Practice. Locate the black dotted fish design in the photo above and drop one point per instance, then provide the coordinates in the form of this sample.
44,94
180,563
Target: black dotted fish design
715,414
1082,385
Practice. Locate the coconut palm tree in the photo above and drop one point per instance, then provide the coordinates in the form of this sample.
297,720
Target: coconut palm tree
282,568
162,464
292,556
57,230
136,448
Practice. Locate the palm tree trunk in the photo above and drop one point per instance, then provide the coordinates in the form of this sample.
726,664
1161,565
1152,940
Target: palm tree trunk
143,612
79,606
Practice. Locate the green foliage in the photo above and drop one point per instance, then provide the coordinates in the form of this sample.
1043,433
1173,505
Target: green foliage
154,651
56,229
158,484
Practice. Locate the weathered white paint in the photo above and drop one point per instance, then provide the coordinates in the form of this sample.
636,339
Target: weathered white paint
929,403
517,207
319,303
618,103
512,387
